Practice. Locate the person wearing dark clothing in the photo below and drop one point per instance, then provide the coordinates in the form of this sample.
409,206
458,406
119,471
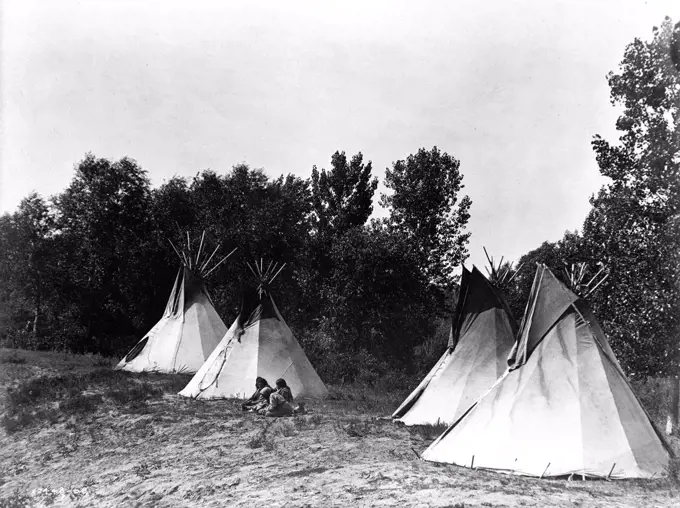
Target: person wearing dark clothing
260,397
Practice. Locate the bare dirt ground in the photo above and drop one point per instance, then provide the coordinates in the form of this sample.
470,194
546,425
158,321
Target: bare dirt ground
170,451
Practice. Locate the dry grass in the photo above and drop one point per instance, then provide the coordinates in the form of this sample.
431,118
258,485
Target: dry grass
115,439
31,401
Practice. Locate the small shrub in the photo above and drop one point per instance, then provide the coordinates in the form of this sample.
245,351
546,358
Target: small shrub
256,442
356,428
269,444
261,439
45,457
315,419
302,422
142,470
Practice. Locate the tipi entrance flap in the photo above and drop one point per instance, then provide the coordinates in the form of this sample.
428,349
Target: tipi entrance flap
172,307
548,300
458,312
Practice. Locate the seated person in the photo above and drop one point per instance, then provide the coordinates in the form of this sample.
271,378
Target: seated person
280,402
260,398
284,390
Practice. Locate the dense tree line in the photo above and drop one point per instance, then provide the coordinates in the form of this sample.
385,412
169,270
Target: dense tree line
91,268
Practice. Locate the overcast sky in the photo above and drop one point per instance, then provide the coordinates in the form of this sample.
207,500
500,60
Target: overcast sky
514,89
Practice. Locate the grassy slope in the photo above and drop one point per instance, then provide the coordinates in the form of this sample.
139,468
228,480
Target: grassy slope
128,440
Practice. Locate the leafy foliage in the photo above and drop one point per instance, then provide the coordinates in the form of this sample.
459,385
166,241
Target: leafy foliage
425,191
91,270
632,226
343,196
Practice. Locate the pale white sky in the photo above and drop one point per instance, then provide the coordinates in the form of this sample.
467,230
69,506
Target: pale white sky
514,89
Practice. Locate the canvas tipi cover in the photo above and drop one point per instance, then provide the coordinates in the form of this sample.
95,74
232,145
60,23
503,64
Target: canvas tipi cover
564,406
258,344
190,327
481,338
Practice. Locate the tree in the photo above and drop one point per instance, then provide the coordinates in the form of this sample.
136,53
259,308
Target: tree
102,221
629,224
33,225
342,197
378,301
426,209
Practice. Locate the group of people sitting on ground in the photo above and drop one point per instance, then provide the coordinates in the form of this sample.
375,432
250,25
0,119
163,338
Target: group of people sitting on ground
267,401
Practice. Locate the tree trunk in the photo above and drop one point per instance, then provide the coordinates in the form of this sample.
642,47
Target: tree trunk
36,314
674,416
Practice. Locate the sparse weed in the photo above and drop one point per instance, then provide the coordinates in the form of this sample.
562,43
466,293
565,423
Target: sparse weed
286,429
301,423
67,448
269,444
45,458
307,471
261,440
356,427
144,470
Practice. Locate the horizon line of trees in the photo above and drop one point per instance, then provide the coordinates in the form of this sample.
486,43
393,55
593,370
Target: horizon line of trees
90,269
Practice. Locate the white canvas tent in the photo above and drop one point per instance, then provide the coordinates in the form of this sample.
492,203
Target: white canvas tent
481,338
563,407
190,327
258,344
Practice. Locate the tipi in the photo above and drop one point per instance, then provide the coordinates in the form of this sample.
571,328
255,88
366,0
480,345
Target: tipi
258,344
190,327
563,407
481,338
